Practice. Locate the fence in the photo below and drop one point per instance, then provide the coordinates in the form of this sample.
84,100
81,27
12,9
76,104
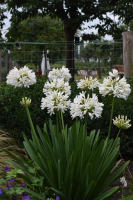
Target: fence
100,57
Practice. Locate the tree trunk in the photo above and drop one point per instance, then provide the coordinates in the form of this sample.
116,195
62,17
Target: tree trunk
69,34
128,53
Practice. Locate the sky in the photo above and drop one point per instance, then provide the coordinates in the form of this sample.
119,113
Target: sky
86,24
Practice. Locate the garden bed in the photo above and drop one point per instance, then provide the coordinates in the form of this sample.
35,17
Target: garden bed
126,190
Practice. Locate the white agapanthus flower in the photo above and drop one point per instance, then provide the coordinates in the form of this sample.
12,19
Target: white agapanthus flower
122,89
113,85
59,73
122,122
58,85
55,101
24,77
81,106
88,83
123,181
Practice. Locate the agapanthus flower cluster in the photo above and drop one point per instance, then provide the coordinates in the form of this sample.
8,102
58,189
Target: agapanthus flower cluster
88,83
23,77
27,101
60,73
122,122
123,181
82,106
113,85
55,101
58,85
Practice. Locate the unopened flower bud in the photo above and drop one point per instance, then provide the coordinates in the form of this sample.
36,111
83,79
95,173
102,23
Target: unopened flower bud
27,101
120,122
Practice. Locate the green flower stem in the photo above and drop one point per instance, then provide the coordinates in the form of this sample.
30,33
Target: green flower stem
30,121
57,120
121,155
62,122
76,122
115,139
86,120
111,118
127,166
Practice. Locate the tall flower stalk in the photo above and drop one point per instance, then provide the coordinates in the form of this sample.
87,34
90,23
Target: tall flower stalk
116,87
30,120
111,117
122,122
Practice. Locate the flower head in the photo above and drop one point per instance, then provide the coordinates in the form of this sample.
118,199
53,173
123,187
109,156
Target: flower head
123,181
58,85
112,85
11,180
24,77
81,106
8,186
59,73
88,83
57,198
14,197
25,198
7,169
27,100
0,190
122,122
55,101
23,184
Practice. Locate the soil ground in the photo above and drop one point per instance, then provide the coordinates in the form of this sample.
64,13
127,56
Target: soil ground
126,190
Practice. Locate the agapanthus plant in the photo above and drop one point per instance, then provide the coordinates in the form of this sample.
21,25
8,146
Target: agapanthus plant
23,77
74,164
58,85
60,73
88,83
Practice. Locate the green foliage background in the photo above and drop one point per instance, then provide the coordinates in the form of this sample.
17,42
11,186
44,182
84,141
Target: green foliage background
13,115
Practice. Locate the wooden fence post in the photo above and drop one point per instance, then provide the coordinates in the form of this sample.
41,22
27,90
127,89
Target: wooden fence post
128,53
0,67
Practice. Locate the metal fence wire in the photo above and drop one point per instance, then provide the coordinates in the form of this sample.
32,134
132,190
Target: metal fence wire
41,57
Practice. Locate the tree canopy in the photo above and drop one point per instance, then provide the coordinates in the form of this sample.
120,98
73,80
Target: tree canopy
73,13
36,29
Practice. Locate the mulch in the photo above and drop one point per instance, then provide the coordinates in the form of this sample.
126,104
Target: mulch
126,190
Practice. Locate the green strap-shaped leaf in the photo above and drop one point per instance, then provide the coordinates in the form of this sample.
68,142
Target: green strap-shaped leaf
127,198
34,193
107,193
60,193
